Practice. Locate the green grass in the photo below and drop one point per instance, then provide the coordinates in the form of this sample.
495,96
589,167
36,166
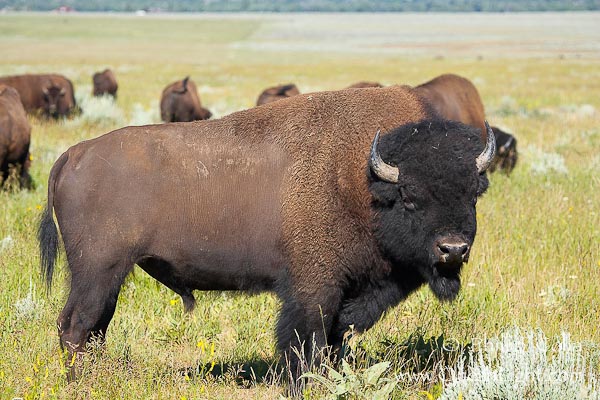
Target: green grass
535,263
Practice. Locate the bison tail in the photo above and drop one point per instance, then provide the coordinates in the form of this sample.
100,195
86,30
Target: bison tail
47,232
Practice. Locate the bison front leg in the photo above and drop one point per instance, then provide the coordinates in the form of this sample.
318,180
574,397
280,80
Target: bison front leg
305,323
364,310
89,309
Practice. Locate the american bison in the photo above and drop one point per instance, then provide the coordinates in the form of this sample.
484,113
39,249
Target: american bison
275,93
365,84
49,94
457,99
180,103
506,152
299,197
105,83
15,134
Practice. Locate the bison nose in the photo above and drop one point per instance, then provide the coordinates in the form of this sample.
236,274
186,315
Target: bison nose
452,251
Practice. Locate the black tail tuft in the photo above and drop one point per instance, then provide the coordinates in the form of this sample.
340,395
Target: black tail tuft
48,241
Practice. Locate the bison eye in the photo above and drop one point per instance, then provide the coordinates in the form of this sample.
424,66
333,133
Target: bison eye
408,204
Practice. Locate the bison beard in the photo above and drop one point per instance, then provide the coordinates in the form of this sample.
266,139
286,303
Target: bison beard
267,201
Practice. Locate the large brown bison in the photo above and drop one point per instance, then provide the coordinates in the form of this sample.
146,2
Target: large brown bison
299,197
15,134
275,93
180,103
49,94
457,99
105,83
365,84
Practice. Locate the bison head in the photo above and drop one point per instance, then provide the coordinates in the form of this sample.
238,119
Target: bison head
56,101
424,197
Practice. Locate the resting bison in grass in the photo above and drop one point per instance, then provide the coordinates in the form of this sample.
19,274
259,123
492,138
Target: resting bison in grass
506,151
299,197
105,83
180,103
15,134
49,94
457,99
275,93
365,84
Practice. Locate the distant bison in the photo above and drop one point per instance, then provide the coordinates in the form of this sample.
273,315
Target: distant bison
180,103
15,134
49,94
275,93
300,197
457,99
506,151
365,84
105,83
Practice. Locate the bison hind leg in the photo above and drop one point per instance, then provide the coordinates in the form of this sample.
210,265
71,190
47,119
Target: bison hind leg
90,307
162,271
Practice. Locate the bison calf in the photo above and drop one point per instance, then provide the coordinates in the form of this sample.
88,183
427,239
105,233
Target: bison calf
300,197
15,134
180,103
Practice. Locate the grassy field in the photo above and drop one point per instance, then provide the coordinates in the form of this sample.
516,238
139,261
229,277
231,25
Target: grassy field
535,264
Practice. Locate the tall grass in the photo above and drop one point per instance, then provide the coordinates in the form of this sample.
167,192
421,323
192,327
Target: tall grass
534,264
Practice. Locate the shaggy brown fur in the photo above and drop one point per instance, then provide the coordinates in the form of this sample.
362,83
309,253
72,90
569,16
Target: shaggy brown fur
275,93
180,103
50,94
15,134
105,83
277,197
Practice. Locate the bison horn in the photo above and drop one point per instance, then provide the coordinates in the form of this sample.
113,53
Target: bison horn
45,90
62,91
384,171
484,160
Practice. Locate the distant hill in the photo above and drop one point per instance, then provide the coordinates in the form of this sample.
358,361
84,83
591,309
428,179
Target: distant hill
304,5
